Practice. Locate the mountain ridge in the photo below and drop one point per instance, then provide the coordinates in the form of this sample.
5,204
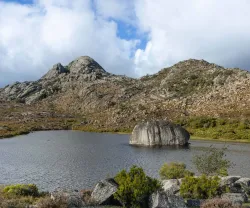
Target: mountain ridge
103,100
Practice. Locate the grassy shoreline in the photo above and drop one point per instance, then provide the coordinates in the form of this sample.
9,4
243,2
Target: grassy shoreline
110,131
196,138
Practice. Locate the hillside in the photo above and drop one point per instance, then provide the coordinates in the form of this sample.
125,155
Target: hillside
90,98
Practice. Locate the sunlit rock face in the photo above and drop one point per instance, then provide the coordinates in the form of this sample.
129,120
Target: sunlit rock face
159,133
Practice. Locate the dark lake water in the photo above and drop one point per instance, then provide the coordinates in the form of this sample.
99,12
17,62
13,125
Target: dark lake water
77,160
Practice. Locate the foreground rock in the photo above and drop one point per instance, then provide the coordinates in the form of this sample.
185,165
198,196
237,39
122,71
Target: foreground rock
235,184
159,133
73,199
104,191
171,186
163,200
236,198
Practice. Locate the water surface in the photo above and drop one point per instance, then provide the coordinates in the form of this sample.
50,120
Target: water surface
77,160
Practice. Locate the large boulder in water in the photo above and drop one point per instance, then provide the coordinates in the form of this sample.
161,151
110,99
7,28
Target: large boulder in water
158,133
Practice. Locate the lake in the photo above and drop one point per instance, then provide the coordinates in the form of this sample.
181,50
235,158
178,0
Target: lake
77,160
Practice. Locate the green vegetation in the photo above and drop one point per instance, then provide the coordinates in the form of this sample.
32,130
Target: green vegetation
212,162
202,187
134,187
217,128
174,171
21,190
19,195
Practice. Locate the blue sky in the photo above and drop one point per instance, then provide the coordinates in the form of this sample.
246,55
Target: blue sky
131,37
20,1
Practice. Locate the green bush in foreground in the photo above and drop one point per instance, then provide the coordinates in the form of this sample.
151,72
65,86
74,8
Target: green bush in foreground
212,161
134,187
174,171
202,187
21,190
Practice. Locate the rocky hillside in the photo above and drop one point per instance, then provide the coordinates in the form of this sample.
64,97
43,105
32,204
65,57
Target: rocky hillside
103,100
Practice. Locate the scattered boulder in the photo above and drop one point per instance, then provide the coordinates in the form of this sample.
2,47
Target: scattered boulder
228,182
245,181
73,199
236,198
159,133
55,71
104,191
163,200
244,184
171,187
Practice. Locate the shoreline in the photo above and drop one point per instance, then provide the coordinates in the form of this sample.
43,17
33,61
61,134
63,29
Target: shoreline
192,138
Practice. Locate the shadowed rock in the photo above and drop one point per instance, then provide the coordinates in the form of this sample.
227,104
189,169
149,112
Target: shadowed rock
159,133
162,200
104,191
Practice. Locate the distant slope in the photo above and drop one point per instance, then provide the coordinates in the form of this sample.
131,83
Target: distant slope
107,101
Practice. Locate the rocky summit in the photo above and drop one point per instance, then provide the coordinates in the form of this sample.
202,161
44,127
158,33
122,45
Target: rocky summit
96,98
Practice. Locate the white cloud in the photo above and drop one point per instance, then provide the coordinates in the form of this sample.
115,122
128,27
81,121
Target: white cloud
218,31
117,9
34,37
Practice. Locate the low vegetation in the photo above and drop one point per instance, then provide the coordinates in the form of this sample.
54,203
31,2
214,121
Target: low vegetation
174,171
218,203
217,128
18,196
134,187
21,190
202,187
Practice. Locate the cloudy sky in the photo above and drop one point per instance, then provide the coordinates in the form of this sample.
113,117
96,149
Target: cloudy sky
132,37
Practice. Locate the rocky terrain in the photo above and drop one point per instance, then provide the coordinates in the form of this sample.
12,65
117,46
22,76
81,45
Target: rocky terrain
84,94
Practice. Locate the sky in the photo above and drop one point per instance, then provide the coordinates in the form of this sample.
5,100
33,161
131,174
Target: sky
128,37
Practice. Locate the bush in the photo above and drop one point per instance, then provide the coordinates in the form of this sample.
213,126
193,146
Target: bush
174,171
134,187
21,190
47,202
202,187
217,203
212,161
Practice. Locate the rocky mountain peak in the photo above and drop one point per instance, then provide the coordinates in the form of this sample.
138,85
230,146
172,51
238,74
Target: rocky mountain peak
196,63
55,71
85,65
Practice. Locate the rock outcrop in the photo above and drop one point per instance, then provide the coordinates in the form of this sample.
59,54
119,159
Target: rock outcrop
72,199
162,200
159,133
237,199
171,186
104,191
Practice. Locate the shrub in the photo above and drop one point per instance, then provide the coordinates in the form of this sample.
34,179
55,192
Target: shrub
16,202
212,161
134,187
202,187
21,190
47,202
174,171
217,203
